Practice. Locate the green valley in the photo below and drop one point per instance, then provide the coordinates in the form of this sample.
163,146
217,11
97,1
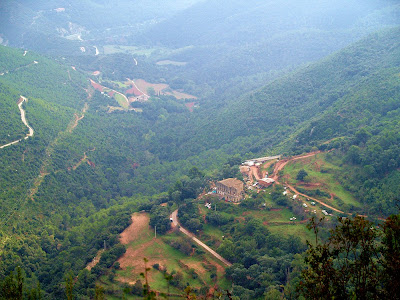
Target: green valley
129,139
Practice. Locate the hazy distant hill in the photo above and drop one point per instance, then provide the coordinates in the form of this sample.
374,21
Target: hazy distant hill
71,186
277,110
228,39
43,25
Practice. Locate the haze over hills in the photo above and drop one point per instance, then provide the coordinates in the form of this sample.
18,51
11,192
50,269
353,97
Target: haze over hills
246,38
266,80
48,26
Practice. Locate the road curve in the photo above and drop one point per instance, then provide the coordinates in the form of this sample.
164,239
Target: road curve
175,222
21,100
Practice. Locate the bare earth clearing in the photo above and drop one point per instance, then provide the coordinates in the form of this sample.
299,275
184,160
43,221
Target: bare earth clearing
139,223
161,89
133,257
140,242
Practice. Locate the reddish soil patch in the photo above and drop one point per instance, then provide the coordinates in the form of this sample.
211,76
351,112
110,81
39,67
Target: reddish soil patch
311,185
190,106
246,213
144,85
96,73
275,209
133,91
220,269
317,166
96,86
111,93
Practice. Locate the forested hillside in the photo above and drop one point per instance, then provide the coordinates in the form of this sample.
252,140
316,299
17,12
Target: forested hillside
69,190
264,118
71,187
356,89
222,42
59,27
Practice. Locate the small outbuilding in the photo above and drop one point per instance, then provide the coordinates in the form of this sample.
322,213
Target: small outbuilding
266,182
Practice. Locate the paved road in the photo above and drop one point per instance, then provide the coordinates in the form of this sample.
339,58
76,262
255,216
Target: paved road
175,222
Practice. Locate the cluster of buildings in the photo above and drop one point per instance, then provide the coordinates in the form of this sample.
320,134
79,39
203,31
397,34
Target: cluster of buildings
232,189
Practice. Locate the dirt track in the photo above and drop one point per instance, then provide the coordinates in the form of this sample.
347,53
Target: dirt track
316,200
174,217
21,100
281,164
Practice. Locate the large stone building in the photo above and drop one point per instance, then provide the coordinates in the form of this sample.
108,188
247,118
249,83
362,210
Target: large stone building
231,189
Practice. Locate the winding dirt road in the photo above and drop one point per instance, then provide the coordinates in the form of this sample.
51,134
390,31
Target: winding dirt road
314,199
281,164
175,223
116,92
130,80
21,100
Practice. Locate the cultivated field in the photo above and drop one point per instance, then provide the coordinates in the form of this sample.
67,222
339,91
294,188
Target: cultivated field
140,242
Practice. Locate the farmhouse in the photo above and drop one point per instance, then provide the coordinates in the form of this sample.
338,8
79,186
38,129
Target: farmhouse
231,189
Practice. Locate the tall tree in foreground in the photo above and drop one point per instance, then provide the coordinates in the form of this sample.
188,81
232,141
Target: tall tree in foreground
391,257
358,261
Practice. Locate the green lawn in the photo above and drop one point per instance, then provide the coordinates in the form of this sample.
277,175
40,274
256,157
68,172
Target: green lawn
121,100
299,230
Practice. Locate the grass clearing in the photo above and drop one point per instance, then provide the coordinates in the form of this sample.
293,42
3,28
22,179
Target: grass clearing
121,100
322,175
295,229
